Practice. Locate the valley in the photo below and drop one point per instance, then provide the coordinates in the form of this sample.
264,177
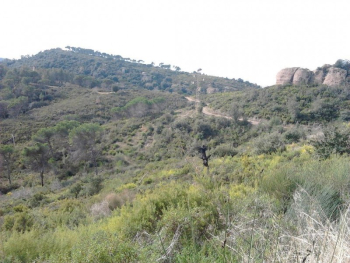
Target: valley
100,162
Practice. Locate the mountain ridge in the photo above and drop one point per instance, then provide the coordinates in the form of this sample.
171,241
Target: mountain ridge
127,72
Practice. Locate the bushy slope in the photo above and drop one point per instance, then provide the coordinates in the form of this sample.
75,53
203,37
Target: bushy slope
94,69
109,171
259,207
291,104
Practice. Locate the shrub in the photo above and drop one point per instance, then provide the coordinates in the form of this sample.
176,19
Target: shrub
183,125
37,200
269,143
335,140
71,213
103,247
75,190
19,222
225,150
168,206
95,186
20,208
115,88
203,129
113,201
294,135
22,193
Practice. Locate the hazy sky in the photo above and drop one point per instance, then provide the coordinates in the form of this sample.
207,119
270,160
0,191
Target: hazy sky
248,39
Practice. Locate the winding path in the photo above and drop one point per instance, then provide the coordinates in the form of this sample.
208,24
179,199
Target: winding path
207,111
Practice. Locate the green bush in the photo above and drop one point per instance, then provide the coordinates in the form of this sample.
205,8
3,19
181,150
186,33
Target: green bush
103,247
335,140
168,206
294,135
94,186
37,199
75,189
269,143
19,222
225,150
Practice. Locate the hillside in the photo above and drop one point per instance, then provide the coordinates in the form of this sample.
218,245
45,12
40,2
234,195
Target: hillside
296,101
92,68
101,160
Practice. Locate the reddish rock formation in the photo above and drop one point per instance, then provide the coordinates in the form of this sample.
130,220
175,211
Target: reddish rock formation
326,75
285,76
319,75
335,77
302,76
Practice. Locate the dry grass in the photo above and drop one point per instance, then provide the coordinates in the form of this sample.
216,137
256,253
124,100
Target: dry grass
100,210
304,235
316,239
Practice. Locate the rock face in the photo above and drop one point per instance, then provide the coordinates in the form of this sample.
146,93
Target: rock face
285,76
335,77
326,75
302,76
319,75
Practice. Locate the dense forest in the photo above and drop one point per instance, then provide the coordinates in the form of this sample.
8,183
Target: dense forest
100,162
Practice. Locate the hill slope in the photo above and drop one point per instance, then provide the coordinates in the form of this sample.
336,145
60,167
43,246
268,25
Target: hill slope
102,68
100,162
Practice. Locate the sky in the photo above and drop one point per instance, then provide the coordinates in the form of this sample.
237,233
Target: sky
247,39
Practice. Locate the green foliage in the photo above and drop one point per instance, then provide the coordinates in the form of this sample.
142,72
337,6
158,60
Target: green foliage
225,150
152,200
35,245
75,190
7,152
343,64
102,247
292,104
17,106
94,186
168,206
85,138
294,135
89,131
269,143
38,156
20,222
140,106
335,140
36,200
323,182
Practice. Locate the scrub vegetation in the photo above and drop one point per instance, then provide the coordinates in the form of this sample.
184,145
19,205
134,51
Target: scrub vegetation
99,162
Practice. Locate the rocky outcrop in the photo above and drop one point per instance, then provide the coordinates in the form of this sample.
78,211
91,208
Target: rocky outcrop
326,75
285,76
335,77
319,75
302,76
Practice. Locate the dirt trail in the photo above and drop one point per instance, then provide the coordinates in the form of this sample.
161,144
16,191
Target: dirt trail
209,112
105,92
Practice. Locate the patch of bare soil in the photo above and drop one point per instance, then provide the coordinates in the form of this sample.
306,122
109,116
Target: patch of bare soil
209,112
